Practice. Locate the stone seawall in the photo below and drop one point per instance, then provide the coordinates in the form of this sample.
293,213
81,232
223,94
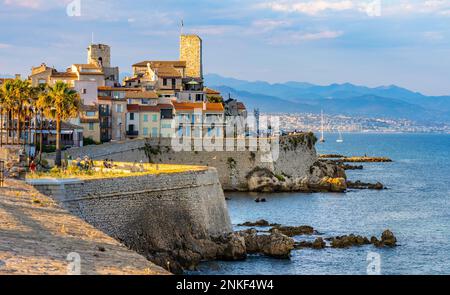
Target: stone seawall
38,237
296,156
159,216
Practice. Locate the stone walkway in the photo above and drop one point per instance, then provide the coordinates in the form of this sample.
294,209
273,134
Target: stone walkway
37,235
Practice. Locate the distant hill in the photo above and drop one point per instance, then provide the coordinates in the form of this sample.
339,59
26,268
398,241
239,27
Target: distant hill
346,99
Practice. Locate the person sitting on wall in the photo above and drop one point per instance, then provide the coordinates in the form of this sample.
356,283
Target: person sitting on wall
105,163
78,162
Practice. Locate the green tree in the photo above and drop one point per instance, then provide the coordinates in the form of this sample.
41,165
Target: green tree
21,94
61,103
8,103
40,94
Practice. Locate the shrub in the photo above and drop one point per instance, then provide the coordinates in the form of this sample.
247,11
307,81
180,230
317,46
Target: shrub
89,141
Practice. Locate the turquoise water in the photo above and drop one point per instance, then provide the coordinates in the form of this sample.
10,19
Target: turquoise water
416,207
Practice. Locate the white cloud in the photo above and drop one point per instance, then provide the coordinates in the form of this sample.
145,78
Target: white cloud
369,7
300,37
4,45
267,25
309,7
37,4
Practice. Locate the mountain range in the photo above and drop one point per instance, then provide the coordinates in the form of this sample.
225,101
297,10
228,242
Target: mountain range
335,99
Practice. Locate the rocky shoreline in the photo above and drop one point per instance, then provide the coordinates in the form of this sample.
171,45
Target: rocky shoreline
324,176
355,159
387,238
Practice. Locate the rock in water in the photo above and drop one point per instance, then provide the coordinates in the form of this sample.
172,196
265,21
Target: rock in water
388,238
319,243
275,245
292,231
261,222
235,248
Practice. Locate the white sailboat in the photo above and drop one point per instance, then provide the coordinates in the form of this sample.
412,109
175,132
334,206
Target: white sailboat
340,139
322,137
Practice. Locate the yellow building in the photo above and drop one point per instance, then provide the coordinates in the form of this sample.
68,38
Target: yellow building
89,120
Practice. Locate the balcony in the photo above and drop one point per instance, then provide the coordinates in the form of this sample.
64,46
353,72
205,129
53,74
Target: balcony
132,133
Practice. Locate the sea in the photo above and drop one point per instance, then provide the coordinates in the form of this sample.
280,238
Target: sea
415,207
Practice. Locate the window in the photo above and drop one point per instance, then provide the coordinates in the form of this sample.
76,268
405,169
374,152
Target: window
90,114
145,101
164,82
118,108
131,116
166,126
154,132
155,118
83,91
145,118
199,97
145,131
174,82
91,126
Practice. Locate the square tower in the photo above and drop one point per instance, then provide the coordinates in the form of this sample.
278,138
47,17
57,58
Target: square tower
191,53
99,54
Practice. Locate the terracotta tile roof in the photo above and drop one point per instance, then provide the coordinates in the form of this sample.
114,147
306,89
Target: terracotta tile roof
165,106
167,72
158,63
210,91
64,75
141,94
149,109
133,107
143,108
191,106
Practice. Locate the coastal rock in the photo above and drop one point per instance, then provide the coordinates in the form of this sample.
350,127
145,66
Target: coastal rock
351,167
319,243
388,239
324,176
292,231
274,245
364,185
261,222
234,248
349,241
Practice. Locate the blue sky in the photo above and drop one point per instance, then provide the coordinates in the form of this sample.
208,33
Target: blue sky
405,42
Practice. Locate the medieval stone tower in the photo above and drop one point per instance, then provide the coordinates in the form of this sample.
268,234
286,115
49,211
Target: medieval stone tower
99,54
191,53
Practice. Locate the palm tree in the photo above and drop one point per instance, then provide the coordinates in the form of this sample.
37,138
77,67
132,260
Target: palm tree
22,94
8,102
40,94
2,107
61,103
